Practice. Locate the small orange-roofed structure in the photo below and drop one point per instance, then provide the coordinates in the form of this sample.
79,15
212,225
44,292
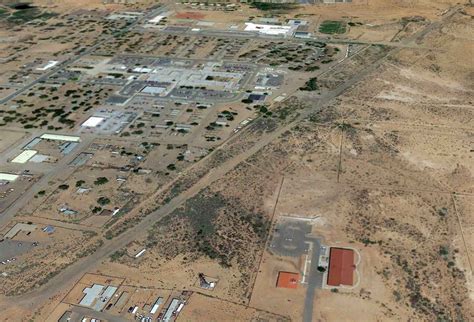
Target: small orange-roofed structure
288,280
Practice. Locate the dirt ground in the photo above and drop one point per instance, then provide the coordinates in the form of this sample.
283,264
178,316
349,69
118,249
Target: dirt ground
9,138
203,308
387,180
287,302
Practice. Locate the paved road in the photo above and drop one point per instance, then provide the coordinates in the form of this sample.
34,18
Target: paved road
315,280
254,35
76,270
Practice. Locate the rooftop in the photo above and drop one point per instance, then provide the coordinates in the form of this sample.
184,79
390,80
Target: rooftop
268,29
93,121
91,294
24,156
56,137
8,176
288,280
341,267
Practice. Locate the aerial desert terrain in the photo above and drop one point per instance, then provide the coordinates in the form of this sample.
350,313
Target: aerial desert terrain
164,161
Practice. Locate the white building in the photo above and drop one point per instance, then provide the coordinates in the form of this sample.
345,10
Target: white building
273,30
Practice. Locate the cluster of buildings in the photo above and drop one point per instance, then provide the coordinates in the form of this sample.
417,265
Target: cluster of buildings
339,273
30,153
105,298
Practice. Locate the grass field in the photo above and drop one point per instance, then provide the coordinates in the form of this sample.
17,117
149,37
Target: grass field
332,27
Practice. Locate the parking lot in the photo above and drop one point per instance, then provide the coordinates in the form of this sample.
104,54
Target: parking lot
11,249
290,238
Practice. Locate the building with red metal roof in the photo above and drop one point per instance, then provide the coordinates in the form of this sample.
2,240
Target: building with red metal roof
288,280
341,267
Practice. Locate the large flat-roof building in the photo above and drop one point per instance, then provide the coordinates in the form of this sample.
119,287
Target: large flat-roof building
171,310
97,296
274,30
17,228
57,137
9,177
91,294
341,267
93,121
24,156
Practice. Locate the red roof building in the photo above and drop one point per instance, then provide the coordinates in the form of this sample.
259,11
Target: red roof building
288,280
341,267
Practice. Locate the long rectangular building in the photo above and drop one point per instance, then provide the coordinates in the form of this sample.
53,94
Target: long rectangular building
341,267
171,310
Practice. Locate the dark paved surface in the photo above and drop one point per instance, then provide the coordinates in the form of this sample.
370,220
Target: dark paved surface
13,248
315,280
289,239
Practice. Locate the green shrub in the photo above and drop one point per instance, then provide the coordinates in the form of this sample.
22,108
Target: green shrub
100,181
310,85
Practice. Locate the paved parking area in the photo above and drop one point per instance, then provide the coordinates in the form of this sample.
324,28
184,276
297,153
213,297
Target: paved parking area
13,248
289,238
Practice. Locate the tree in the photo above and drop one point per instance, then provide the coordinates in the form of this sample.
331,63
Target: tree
103,201
310,85
101,180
